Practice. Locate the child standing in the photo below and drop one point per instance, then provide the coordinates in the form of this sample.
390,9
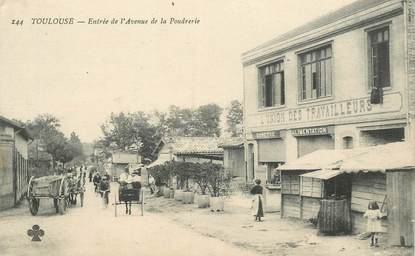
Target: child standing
374,226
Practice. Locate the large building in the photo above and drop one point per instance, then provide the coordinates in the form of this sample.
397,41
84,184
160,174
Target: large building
344,80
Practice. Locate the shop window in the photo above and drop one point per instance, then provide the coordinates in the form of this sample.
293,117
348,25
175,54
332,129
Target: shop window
274,175
379,70
271,85
383,136
316,73
347,142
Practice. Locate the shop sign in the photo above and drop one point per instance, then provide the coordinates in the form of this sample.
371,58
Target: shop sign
267,135
311,131
329,111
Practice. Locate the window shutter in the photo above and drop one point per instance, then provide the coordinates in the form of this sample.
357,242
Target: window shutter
261,92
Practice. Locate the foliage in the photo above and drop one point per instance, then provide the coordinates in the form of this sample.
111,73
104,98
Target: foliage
131,131
218,180
234,118
71,149
201,121
201,177
162,173
45,129
183,172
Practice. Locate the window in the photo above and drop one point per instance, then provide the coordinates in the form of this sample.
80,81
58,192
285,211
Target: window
348,142
379,58
273,175
271,85
315,74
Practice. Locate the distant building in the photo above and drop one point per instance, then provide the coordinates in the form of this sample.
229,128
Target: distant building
233,156
188,149
122,159
14,171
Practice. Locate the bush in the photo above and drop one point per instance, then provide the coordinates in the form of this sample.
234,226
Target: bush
183,172
218,180
162,173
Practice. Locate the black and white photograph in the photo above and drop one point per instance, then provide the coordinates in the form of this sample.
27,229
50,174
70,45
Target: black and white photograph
207,127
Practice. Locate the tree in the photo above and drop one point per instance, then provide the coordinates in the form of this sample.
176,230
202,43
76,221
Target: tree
71,151
45,129
234,118
202,121
131,131
208,120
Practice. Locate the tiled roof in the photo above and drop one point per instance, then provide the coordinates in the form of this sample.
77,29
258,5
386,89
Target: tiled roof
329,18
194,145
233,142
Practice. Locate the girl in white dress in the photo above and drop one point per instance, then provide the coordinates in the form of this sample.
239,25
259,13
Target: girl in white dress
374,226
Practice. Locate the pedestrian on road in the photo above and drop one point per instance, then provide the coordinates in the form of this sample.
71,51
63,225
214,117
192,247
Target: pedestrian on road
257,206
151,183
374,226
104,189
90,175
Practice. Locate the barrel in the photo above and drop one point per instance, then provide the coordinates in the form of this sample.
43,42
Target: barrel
334,217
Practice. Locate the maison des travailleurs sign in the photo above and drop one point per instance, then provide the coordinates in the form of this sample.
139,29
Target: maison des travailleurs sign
326,111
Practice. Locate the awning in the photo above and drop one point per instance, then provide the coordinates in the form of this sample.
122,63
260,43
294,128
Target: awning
324,174
160,160
321,159
392,156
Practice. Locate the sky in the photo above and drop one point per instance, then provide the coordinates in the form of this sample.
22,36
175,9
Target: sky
81,73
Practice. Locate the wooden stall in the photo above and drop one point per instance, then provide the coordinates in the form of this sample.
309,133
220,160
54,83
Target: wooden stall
310,178
290,194
385,174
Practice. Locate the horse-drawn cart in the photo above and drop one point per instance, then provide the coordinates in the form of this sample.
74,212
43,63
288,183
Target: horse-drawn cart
55,187
129,194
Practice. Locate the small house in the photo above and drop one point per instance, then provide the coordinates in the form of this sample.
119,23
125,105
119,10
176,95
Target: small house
188,149
122,159
14,165
234,156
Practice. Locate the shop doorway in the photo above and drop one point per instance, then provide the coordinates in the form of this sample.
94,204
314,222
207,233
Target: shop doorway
250,163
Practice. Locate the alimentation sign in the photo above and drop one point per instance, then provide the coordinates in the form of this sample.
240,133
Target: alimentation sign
323,130
329,111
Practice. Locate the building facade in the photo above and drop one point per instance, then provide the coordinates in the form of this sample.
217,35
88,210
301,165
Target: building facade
341,81
14,171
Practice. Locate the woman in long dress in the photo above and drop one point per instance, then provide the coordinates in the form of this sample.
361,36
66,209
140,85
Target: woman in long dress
257,206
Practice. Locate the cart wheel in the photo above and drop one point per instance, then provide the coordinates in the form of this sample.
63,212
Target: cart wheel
81,196
62,206
56,205
33,206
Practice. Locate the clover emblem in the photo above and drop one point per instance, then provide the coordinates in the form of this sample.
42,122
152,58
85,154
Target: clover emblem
35,233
